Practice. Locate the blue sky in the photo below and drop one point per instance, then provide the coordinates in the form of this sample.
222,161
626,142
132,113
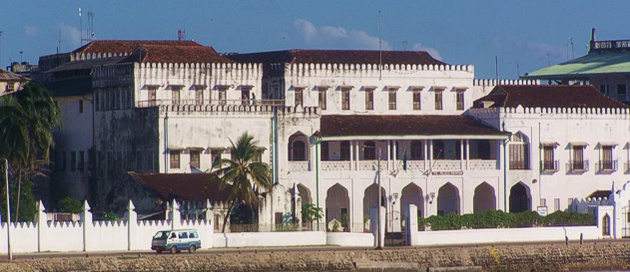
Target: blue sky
530,34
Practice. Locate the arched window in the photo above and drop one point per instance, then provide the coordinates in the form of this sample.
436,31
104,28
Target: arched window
519,151
369,152
298,150
606,225
417,150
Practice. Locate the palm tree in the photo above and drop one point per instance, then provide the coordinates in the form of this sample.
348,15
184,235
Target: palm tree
27,119
246,177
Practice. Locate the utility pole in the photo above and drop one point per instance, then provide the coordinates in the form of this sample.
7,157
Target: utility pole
379,244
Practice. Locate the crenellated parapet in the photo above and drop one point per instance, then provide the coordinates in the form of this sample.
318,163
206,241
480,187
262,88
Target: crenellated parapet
365,70
579,113
495,82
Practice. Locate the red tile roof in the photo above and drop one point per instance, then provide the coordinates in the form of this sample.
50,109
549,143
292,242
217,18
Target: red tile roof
153,53
399,125
8,76
187,187
121,46
548,96
338,57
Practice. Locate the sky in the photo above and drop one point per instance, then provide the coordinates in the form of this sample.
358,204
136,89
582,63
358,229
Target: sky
503,36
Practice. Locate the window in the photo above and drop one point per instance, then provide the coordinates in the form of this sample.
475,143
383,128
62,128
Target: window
621,93
81,106
321,91
606,225
543,202
460,99
216,157
245,95
258,155
345,98
298,150
222,95
345,151
73,161
438,150
417,99
602,88
369,150
392,99
152,96
556,204
417,150
175,159
577,158
519,151
607,164
369,99
198,95
549,163
183,235
299,96
438,99
325,153
195,158
175,94
81,164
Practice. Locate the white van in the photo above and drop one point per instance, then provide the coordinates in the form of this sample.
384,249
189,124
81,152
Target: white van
175,241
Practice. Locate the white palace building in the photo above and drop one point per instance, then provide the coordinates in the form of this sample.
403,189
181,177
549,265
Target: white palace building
326,120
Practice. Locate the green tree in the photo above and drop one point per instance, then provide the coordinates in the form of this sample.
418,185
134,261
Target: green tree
28,118
311,213
70,205
246,177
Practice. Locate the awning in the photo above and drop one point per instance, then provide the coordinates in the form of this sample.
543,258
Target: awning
321,87
416,88
460,88
342,87
220,87
218,148
391,88
608,144
438,88
246,86
198,86
369,87
298,87
554,144
579,143
175,148
196,148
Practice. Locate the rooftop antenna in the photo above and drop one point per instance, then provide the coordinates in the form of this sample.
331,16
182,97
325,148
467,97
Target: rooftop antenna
181,35
90,28
572,51
0,49
404,45
59,42
380,51
548,60
518,70
81,25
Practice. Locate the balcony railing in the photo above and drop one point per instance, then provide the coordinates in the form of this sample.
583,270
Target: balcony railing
370,165
482,165
335,165
577,166
550,166
519,165
606,166
447,165
197,102
299,166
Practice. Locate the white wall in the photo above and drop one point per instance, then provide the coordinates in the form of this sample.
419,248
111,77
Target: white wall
268,239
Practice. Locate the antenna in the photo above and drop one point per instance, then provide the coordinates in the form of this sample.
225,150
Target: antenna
404,45
380,51
518,71
181,35
59,42
548,60
90,28
572,51
81,25
0,49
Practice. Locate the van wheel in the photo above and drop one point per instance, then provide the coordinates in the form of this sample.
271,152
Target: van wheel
173,250
192,248
159,251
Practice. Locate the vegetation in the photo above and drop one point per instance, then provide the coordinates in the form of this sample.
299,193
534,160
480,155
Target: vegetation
27,120
500,219
247,178
70,205
311,213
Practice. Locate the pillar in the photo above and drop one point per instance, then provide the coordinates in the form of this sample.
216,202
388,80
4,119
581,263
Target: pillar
42,220
86,219
132,224
411,224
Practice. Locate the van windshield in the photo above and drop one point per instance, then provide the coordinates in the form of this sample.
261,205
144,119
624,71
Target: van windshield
161,235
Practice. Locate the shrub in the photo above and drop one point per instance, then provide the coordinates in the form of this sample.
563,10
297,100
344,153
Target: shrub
500,219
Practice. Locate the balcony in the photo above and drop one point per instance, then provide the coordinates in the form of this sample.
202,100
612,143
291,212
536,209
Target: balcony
299,166
606,166
213,105
549,167
577,167
482,165
335,166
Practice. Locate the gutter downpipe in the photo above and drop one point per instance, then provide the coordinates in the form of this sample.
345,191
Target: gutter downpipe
274,132
504,170
166,153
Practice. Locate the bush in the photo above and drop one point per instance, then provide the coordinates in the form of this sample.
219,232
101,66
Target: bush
70,205
500,219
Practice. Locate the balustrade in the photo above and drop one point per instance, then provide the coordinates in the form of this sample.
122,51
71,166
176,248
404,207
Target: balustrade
299,166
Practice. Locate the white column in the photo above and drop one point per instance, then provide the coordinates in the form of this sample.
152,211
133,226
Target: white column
467,153
411,223
426,155
352,147
389,153
394,146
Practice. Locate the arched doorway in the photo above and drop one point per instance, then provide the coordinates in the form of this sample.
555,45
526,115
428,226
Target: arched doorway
305,196
370,201
412,194
337,206
298,148
520,199
606,225
448,199
484,198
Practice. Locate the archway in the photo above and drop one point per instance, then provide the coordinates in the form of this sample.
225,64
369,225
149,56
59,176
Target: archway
305,195
520,199
337,205
484,198
370,201
298,148
412,194
448,199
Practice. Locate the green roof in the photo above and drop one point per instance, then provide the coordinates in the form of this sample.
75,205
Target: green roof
594,63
